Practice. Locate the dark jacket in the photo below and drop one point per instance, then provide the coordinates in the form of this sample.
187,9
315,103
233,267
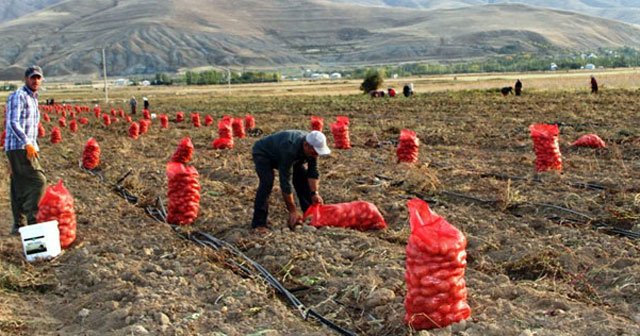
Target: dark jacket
284,150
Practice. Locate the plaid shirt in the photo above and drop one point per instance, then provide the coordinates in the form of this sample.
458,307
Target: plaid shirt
22,120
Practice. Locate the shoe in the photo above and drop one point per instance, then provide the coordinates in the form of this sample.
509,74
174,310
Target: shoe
261,230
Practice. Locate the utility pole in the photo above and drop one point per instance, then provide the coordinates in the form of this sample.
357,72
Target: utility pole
228,82
104,75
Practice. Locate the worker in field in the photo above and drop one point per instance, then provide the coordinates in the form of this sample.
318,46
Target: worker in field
134,104
21,146
287,152
594,85
518,87
145,103
407,90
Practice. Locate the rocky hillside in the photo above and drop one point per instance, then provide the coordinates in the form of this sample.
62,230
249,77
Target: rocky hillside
621,10
147,36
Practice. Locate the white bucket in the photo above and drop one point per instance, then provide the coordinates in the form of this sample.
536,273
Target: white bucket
41,241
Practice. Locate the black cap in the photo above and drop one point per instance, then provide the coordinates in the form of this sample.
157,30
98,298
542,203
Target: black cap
33,70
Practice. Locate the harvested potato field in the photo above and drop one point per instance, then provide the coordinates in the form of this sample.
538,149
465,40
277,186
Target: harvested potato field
550,253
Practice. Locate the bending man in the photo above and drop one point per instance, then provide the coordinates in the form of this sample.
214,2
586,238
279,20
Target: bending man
288,151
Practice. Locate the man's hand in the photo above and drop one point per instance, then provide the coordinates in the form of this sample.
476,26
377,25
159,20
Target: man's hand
316,199
294,219
31,152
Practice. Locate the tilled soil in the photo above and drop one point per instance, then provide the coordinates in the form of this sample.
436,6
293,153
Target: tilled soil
537,263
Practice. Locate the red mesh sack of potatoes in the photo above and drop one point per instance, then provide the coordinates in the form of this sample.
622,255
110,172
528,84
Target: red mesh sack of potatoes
42,132
359,215
91,154
340,131
408,144
83,120
64,113
249,122
225,129
343,119
225,132
208,120
73,126
435,265
589,140
195,119
317,123
237,125
57,204
96,111
545,145
46,117
184,151
144,126
183,194
146,114
113,112
222,143
106,120
62,122
134,130
56,135
180,116
164,121
121,113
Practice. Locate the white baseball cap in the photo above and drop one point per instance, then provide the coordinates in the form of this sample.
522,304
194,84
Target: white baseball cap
319,142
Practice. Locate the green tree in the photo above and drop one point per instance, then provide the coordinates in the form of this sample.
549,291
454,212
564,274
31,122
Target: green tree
191,78
372,81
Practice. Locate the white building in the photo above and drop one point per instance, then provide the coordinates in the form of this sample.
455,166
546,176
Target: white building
121,82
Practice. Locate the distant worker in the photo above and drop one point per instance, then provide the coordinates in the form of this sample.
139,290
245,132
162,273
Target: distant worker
506,90
134,104
594,85
518,87
288,151
145,102
376,93
407,90
21,145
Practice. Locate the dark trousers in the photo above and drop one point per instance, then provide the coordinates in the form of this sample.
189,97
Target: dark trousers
27,186
133,109
266,174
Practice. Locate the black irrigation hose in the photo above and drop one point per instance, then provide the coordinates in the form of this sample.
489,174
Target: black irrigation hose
582,185
159,214
601,226
218,244
95,172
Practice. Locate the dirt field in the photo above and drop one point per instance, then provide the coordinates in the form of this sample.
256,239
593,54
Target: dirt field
536,264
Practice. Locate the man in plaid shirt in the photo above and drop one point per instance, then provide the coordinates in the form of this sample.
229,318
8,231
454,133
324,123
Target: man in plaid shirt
27,177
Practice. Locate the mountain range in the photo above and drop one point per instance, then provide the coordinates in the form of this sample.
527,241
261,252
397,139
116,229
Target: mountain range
148,36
